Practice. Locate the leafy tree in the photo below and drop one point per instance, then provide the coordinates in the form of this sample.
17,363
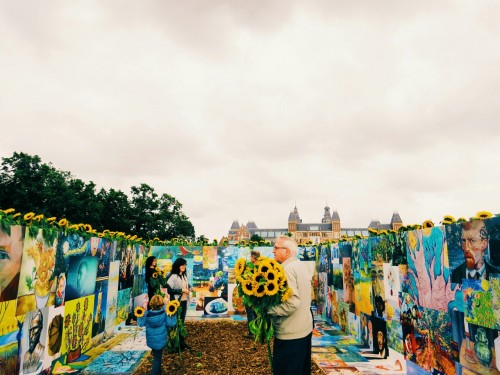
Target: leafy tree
27,184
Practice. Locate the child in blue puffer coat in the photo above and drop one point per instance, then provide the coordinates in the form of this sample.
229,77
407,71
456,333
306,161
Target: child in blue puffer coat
155,321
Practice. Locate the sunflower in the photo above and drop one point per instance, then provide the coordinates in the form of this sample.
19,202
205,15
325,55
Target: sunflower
274,264
271,288
484,215
8,210
288,293
63,222
282,281
239,267
264,266
372,231
271,275
448,219
154,275
172,308
29,216
428,224
139,311
258,277
259,290
247,287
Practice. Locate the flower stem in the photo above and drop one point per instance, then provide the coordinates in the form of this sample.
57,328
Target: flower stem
269,354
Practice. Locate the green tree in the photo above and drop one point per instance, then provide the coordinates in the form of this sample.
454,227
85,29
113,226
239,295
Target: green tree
27,184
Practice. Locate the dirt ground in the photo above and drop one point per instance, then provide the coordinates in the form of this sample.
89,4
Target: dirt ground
217,347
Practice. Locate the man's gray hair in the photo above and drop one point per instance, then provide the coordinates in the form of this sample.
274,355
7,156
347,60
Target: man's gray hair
290,244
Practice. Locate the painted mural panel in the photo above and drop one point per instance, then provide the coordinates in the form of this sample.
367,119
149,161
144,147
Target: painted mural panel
77,331
11,252
9,335
37,279
428,271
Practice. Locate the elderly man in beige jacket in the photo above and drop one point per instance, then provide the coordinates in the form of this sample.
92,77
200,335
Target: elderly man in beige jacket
293,321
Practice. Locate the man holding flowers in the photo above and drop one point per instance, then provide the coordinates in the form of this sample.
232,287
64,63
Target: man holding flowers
292,319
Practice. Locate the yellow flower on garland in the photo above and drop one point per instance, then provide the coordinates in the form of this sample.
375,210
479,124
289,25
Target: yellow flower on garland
239,267
29,216
448,219
172,308
484,215
428,224
139,311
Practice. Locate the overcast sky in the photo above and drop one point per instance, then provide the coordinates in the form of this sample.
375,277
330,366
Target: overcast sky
242,109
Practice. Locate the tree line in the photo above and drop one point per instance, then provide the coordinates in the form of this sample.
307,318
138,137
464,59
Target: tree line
29,185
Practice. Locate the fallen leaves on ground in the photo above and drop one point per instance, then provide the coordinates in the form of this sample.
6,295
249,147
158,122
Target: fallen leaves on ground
218,346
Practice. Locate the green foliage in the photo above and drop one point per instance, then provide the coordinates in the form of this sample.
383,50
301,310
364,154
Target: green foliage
28,185
256,238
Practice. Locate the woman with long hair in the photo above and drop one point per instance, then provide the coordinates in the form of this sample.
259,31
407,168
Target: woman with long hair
179,289
150,269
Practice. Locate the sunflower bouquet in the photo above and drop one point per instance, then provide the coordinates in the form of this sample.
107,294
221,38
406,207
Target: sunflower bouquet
159,280
175,326
263,285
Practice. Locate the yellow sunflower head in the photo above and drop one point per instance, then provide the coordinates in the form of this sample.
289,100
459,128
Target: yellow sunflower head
274,264
172,308
282,281
239,267
259,290
448,219
139,311
247,287
272,275
29,216
154,275
428,224
483,215
286,295
259,277
264,266
271,288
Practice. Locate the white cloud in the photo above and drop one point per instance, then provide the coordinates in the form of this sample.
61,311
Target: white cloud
241,111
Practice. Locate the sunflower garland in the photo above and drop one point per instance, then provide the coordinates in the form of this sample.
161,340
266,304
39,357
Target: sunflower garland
262,286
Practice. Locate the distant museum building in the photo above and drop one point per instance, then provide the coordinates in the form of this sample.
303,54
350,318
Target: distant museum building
328,229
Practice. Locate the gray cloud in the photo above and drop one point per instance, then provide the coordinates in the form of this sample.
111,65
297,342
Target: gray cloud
242,110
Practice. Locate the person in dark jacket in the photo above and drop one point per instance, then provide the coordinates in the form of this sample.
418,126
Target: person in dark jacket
155,321
150,269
